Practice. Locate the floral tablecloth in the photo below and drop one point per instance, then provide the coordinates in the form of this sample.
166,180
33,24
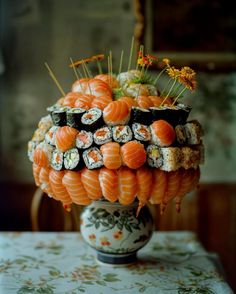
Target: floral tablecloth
172,262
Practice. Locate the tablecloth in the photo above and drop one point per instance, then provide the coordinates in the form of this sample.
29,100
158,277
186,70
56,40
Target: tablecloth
172,262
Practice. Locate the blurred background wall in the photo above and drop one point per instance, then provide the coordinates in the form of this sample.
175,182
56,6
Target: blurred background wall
198,34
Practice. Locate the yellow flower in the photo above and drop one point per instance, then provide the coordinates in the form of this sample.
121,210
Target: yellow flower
166,61
187,78
173,72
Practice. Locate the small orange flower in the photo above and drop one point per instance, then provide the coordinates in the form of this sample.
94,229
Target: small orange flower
118,235
104,241
92,237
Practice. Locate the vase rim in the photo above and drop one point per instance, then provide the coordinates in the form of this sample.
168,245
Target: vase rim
107,203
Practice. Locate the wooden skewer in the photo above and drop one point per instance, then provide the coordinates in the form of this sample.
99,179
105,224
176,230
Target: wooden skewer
131,53
87,70
121,60
55,79
76,74
84,69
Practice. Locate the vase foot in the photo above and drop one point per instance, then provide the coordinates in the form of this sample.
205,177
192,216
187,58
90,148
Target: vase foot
116,259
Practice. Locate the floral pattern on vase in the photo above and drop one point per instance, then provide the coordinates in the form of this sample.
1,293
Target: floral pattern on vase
113,229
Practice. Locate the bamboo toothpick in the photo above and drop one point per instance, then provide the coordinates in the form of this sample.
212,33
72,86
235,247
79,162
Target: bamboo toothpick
131,53
99,66
121,61
55,79
76,74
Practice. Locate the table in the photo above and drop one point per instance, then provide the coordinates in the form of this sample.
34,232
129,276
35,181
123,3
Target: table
172,262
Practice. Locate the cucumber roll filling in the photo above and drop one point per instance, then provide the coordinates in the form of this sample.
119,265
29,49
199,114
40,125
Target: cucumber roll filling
72,159
122,134
154,157
102,136
73,117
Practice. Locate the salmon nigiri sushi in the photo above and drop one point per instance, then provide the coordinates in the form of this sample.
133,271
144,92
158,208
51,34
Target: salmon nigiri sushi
109,79
44,181
133,154
111,155
65,138
101,101
144,181
129,101
158,187
163,134
127,185
90,181
70,99
109,184
84,101
116,113
144,102
36,171
60,192
73,184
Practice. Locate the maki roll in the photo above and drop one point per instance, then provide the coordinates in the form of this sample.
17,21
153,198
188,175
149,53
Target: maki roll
92,119
194,132
73,117
93,158
57,160
180,134
140,115
184,111
45,123
72,160
31,148
102,136
172,158
141,132
59,116
154,156
50,136
52,108
84,140
122,134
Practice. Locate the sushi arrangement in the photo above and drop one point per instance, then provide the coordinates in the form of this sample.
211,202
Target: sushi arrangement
119,138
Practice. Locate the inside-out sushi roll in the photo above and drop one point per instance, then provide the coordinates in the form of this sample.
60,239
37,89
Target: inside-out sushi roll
194,132
50,136
93,158
31,148
154,156
122,134
59,116
180,134
92,119
73,117
57,160
45,123
141,132
102,135
72,160
84,140
140,115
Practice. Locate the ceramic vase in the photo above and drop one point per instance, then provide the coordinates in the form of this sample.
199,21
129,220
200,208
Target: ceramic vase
114,231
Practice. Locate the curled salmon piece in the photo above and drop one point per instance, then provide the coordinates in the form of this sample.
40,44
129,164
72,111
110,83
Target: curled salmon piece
116,113
109,184
133,154
111,155
128,186
73,184
65,138
90,181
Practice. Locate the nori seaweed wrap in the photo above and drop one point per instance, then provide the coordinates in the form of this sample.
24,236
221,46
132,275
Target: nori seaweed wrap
140,115
73,117
92,119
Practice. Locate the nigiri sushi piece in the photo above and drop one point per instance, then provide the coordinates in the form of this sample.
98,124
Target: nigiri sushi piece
55,178
40,157
70,99
98,88
44,181
84,101
133,154
36,171
66,138
144,181
73,184
116,113
109,184
80,85
190,179
159,186
101,101
109,79
173,180
157,100
128,186
163,134
144,102
131,102
90,181
111,155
